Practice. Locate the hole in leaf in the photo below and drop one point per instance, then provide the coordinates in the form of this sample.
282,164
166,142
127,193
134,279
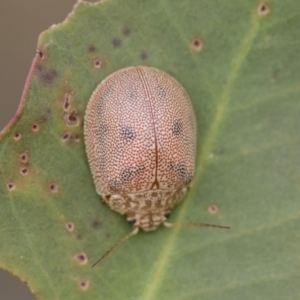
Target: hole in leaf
197,44
24,157
83,284
53,187
24,171
35,127
97,63
72,119
263,9
40,53
67,101
213,209
81,258
11,186
17,136
66,137
70,226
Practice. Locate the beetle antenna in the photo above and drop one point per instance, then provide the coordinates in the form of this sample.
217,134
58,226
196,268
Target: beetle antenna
167,224
133,232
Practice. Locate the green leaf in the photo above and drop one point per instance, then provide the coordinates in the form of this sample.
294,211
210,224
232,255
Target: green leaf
240,63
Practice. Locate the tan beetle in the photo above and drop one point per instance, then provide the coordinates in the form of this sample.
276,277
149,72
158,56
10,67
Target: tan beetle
140,137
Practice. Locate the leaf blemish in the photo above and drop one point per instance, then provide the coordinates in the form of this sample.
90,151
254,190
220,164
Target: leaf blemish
197,44
17,136
81,258
83,284
53,187
11,186
24,171
96,224
126,31
92,48
24,157
40,53
43,119
263,9
47,76
116,42
35,127
72,119
77,138
70,226
144,56
213,209
67,101
66,137
97,63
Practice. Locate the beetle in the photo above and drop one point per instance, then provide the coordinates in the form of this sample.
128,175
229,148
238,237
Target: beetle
140,137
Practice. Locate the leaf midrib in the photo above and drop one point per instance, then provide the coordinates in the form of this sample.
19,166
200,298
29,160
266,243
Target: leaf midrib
159,268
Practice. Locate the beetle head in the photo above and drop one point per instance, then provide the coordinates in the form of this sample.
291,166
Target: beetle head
148,221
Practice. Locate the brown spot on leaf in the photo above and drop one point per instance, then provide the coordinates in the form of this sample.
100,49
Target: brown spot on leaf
67,101
116,42
97,63
96,224
72,119
24,157
47,76
126,31
263,9
43,119
144,56
70,226
66,137
92,48
197,44
24,171
11,186
213,209
83,284
17,136
77,138
40,53
81,258
35,127
72,116
53,187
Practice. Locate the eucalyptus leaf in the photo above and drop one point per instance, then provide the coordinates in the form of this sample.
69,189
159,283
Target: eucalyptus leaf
240,63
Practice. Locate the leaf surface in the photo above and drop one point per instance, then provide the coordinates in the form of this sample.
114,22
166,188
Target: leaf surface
239,61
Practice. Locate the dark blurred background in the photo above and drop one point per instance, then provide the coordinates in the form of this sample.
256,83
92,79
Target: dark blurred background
21,22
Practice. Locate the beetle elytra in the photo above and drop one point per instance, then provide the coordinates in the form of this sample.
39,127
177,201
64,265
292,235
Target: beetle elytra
140,137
